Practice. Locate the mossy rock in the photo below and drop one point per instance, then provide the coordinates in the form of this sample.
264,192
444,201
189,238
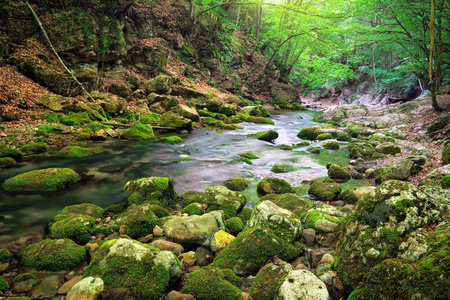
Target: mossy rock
35,148
134,266
338,173
4,286
140,220
82,209
325,189
309,133
381,138
172,140
160,211
50,179
192,209
271,185
285,147
352,132
139,131
260,120
95,126
5,256
191,197
360,149
324,136
77,228
388,148
236,184
344,137
268,280
149,118
234,225
354,194
6,151
313,150
174,120
243,159
252,249
267,136
7,162
212,283
80,119
333,145
245,214
230,126
94,111
400,171
439,123
329,213
288,201
249,155
50,117
77,151
120,90
24,277
52,255
445,182
259,111
281,168
446,154
154,190
228,206
161,84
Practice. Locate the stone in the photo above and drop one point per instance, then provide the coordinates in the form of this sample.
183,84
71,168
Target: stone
323,225
324,189
174,120
388,148
268,279
23,286
267,136
188,258
175,248
220,240
158,231
47,288
271,185
187,112
309,236
203,256
338,173
54,102
439,123
67,286
194,230
89,288
161,85
283,222
302,284
153,190
174,295
400,171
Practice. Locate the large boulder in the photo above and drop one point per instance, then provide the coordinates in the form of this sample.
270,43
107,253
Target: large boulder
324,189
271,185
267,136
194,230
323,218
77,228
160,84
140,220
288,201
360,149
146,271
338,173
400,171
252,249
221,198
174,120
395,244
50,179
283,222
354,194
187,112
388,148
302,284
154,190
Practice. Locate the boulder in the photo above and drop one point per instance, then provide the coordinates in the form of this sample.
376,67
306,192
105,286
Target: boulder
435,176
140,220
47,288
153,190
289,201
354,194
144,270
268,280
323,218
236,184
94,111
267,136
360,149
338,173
50,179
120,90
160,84
283,222
77,228
174,120
54,102
194,230
439,123
302,284
400,171
420,162
6,151
187,112
446,154
175,248
324,189
388,148
309,133
89,288
220,240
271,185
221,198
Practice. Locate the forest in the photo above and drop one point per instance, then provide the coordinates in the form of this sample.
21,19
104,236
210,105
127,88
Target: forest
224,149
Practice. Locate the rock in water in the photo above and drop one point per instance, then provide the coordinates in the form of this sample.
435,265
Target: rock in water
50,179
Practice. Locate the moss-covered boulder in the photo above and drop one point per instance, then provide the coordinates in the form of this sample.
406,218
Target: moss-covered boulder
333,145
140,220
52,255
77,228
144,270
388,148
401,234
400,171
7,162
50,179
54,102
446,154
354,194
77,151
360,149
161,84
268,280
271,185
282,168
445,182
87,209
172,140
174,120
323,218
252,249
220,196
154,190
6,151
284,223
245,214
439,123
289,201
194,230
192,209
81,118
192,197
35,148
338,173
236,184
309,133
234,225
5,256
313,150
324,136
120,90
187,112
267,136
260,120
139,131
4,286
94,111
324,189
213,283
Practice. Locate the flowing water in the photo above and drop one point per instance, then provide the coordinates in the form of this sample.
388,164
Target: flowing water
206,158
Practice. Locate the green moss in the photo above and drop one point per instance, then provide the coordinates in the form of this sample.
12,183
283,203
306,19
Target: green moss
149,118
344,137
331,145
288,201
160,211
139,131
140,220
6,151
4,286
314,150
309,218
79,210
267,136
129,115
95,126
445,182
325,190
171,119
268,280
5,256
230,126
338,173
324,136
352,132
52,255
360,149
50,116
76,151
282,168
285,147
244,159
144,279
7,162
236,184
77,228
228,208
260,120
234,225
252,249
390,149
192,209
17,298
50,179
211,283
34,148
245,214
24,277
271,185
45,130
192,197
80,118
172,140
309,133
446,154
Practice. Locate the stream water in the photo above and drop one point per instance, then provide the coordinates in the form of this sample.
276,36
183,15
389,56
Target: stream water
204,159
